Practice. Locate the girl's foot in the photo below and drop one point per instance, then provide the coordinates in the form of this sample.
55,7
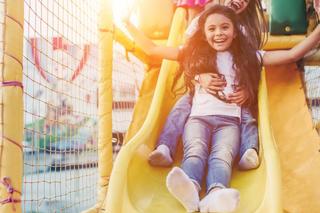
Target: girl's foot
249,160
160,156
220,200
183,189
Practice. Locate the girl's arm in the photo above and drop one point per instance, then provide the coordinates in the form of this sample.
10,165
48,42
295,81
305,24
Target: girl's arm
294,54
149,47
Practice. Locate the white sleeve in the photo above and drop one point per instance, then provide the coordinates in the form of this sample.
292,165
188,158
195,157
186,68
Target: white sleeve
260,54
193,27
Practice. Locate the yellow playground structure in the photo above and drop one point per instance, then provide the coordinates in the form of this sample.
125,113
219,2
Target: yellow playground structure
59,156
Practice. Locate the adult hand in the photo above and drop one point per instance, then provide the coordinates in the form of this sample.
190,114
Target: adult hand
239,97
212,82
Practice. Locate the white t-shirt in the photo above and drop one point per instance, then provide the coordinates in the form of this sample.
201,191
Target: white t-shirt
207,104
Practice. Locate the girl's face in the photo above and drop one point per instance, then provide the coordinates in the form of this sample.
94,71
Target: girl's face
237,5
219,32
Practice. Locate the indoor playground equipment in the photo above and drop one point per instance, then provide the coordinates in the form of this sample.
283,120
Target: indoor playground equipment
284,124
75,87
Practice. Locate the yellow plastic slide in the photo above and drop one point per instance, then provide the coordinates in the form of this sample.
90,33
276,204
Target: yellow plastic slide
135,186
297,140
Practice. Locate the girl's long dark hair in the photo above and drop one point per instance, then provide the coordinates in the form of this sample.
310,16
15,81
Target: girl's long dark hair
253,20
199,57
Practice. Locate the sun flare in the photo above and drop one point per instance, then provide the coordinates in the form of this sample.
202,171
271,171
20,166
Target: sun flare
121,8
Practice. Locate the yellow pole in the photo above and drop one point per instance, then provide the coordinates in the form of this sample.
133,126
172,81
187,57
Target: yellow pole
105,97
11,105
106,33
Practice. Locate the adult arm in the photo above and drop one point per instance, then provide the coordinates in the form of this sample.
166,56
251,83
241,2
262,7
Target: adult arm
239,97
294,54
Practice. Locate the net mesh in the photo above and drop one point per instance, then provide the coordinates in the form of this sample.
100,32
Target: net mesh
127,77
311,80
60,105
60,60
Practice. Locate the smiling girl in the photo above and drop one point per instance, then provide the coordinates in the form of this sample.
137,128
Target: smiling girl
250,16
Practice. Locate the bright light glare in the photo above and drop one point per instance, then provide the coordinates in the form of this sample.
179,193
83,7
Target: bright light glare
121,8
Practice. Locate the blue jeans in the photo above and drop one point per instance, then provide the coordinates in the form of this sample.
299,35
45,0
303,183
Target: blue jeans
176,120
222,134
249,132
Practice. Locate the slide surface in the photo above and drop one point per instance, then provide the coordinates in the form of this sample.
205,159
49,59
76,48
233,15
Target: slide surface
297,140
139,187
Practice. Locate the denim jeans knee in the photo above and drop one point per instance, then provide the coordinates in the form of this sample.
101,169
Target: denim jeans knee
224,149
196,138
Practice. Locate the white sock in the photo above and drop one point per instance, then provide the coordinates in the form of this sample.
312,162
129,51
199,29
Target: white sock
221,200
249,160
183,189
160,156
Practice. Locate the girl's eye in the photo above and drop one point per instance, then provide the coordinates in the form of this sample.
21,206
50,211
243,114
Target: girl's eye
225,27
211,29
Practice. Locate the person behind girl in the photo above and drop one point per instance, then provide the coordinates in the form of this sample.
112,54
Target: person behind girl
251,18
194,7
214,123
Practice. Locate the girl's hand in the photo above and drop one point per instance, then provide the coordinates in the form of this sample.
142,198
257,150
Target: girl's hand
239,97
212,82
